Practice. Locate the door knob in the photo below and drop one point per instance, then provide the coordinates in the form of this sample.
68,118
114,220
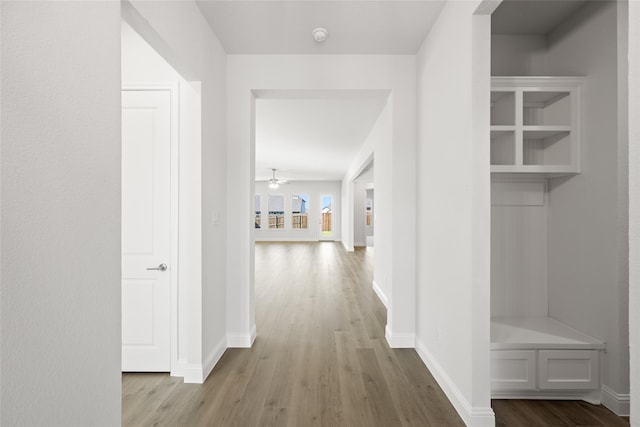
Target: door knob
161,267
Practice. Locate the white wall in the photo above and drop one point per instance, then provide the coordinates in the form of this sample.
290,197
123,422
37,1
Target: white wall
180,34
359,212
315,190
376,145
394,73
634,207
587,256
512,55
453,243
519,248
60,233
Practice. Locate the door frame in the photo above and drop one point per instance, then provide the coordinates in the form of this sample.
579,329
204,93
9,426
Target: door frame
173,89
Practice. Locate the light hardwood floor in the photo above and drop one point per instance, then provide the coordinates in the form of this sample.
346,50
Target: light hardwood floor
320,359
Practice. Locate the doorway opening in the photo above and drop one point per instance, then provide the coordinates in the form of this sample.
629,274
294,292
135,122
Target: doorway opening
152,314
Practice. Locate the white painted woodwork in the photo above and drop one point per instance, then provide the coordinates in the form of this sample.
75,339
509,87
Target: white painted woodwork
519,332
513,370
535,124
537,354
531,353
519,248
146,138
568,369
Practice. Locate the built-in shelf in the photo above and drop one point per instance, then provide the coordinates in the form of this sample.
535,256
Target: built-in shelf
535,125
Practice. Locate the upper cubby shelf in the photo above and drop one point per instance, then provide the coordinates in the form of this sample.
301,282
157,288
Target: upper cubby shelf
535,125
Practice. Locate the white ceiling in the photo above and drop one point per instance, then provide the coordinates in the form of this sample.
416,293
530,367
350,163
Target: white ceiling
312,139
316,139
355,27
532,17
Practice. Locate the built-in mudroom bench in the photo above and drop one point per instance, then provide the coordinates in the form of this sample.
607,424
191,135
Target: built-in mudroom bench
539,357
535,146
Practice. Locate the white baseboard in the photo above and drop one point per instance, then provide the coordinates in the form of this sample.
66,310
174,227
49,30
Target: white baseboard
285,239
590,396
472,416
380,294
618,403
242,340
213,358
190,372
347,247
399,340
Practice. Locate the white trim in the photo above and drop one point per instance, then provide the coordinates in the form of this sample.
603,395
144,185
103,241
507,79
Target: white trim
213,358
590,396
381,295
176,369
472,416
399,340
192,373
347,247
285,239
618,403
242,340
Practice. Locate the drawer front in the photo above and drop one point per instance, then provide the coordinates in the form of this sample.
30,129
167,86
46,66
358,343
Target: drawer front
513,370
568,369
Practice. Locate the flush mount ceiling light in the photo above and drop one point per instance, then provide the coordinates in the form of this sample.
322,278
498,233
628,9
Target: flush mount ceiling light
320,34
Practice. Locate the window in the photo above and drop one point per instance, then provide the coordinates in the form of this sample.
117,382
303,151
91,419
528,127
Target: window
258,211
327,211
276,211
299,207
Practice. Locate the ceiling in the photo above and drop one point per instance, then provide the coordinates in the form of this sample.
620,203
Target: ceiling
532,17
355,27
312,139
316,139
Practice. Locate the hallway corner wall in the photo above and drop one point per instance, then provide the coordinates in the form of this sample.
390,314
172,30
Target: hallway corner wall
452,284
60,217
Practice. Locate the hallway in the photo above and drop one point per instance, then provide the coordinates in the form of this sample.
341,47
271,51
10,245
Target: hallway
320,357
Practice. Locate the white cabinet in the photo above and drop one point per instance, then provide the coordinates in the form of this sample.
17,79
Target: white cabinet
541,358
535,125
568,369
513,370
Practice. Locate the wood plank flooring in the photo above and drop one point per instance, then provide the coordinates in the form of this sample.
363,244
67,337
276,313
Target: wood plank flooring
321,359
525,413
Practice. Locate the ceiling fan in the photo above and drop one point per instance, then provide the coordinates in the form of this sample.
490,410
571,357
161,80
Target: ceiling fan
274,182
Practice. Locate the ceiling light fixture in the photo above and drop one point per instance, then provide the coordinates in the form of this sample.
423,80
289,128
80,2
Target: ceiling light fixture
274,182
320,34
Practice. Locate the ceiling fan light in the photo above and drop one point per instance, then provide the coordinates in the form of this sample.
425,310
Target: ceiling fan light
273,185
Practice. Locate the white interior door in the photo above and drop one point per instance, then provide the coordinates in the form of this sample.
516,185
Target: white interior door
146,237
